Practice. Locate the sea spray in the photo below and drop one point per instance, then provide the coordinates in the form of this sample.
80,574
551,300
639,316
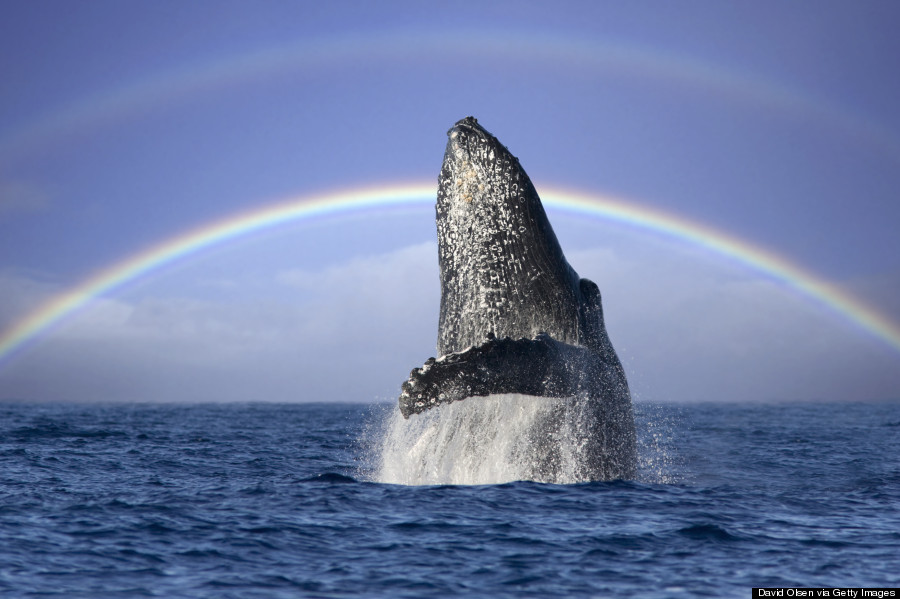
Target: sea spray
485,440
659,427
503,438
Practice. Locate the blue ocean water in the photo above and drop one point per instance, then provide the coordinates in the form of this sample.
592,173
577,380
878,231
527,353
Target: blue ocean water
269,500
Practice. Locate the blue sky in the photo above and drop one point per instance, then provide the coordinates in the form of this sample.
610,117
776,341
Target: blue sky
126,124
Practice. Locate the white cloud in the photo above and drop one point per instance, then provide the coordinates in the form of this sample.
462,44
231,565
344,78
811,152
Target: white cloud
384,296
686,327
693,328
350,332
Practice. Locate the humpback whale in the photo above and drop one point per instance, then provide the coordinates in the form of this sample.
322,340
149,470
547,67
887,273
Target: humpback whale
515,317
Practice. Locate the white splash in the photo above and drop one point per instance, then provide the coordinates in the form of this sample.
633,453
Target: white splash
482,440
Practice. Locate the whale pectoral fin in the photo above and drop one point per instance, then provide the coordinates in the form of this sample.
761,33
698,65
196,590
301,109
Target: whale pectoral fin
540,366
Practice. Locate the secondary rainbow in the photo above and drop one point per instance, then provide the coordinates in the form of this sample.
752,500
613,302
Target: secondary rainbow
108,280
532,48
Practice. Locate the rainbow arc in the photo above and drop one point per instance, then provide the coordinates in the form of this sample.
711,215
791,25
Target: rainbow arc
108,280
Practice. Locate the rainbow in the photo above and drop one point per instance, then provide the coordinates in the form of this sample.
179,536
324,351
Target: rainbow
108,280
150,91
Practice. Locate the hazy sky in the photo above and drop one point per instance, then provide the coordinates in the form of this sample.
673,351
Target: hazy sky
124,124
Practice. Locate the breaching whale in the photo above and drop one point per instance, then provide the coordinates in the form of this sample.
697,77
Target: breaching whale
515,317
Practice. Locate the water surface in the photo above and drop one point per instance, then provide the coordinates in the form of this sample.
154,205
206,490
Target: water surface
269,500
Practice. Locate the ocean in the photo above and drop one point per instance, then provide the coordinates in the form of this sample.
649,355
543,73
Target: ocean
300,500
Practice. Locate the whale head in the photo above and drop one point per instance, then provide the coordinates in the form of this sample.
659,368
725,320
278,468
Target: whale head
503,272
